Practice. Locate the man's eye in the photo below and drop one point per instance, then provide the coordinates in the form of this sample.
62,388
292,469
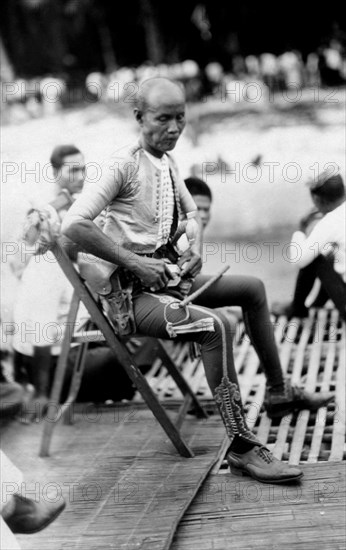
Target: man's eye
180,118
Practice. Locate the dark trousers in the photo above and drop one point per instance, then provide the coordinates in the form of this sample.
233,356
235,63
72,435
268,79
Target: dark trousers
158,314
333,286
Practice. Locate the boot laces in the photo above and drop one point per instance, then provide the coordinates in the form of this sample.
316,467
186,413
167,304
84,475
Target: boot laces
265,454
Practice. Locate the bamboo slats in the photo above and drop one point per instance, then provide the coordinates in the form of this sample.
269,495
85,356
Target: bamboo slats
312,355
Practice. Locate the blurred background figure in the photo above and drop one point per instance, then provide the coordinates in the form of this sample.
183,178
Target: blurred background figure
313,77
43,299
291,69
331,64
322,249
252,67
215,76
269,70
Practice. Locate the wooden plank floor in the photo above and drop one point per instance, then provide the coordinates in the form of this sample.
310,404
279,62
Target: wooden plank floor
230,512
125,485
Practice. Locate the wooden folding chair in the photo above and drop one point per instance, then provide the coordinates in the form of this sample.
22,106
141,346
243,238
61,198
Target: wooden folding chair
117,345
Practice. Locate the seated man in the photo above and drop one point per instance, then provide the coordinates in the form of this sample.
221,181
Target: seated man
145,200
42,303
321,253
203,198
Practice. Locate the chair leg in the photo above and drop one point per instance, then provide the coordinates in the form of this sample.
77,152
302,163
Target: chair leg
76,381
182,411
182,384
121,353
54,400
147,393
134,373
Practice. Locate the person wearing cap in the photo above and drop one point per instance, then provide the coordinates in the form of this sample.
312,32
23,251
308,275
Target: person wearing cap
148,205
320,252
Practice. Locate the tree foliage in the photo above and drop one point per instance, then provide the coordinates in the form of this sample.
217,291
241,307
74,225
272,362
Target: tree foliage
75,37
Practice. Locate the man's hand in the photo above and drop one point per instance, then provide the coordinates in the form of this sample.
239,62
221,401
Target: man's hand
152,273
190,262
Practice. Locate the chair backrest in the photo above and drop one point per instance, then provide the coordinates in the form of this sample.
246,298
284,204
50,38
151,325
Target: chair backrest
83,293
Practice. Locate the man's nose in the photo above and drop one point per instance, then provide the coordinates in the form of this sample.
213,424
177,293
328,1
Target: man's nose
173,127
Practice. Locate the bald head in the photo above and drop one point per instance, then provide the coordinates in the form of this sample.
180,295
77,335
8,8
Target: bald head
160,113
155,91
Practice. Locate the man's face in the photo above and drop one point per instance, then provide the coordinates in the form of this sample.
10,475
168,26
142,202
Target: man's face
162,121
203,204
72,173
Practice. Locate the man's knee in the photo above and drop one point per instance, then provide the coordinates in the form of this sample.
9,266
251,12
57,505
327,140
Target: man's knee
256,290
223,322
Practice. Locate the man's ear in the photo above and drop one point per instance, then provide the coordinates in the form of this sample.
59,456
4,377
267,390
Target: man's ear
138,115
